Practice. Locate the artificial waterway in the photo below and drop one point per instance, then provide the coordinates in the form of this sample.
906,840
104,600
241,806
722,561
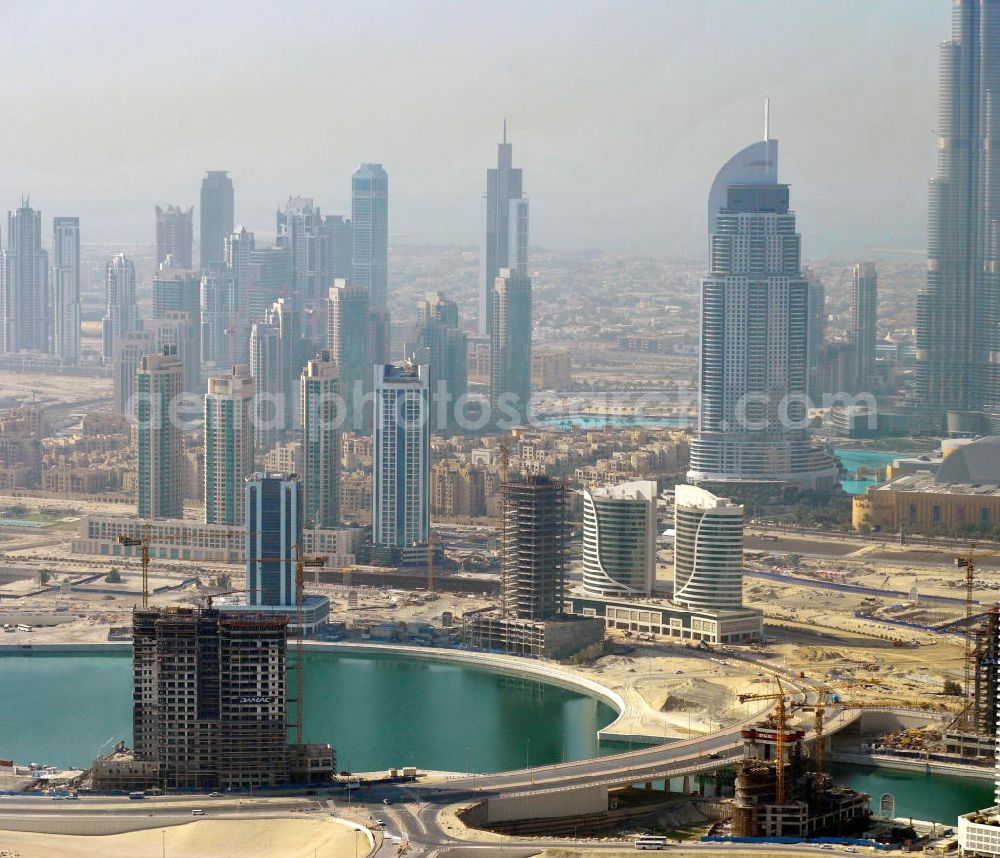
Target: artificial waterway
382,710
856,461
377,710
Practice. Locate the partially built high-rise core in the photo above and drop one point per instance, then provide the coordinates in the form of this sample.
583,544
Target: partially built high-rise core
210,706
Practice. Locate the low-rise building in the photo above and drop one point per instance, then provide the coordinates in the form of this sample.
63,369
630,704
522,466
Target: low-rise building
458,490
557,637
962,497
661,618
184,539
551,369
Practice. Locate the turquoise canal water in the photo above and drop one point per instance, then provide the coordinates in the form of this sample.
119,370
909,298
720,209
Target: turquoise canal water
852,460
386,710
932,798
376,710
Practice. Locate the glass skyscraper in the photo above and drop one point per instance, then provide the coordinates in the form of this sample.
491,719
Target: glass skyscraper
229,445
273,536
401,488
66,288
708,550
619,539
864,325
753,415
958,338
159,450
370,225
320,400
506,240
510,347
217,216
24,284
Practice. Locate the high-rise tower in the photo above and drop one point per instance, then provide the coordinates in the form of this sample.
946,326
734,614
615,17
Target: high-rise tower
273,537
534,539
510,347
708,550
864,325
320,399
753,415
158,383
506,240
370,225
121,316
66,288
174,236
217,216
301,229
358,339
229,445
958,339
443,346
129,350
401,491
24,284
619,539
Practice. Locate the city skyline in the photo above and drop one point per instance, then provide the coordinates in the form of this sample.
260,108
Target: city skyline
437,165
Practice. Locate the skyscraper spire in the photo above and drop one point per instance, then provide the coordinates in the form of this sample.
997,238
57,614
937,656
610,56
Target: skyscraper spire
505,129
767,118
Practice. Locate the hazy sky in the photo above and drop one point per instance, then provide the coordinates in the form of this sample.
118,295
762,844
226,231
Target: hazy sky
620,112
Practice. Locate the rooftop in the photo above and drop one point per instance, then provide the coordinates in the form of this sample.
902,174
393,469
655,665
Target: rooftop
924,481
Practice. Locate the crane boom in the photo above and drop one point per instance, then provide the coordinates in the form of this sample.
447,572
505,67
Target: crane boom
779,755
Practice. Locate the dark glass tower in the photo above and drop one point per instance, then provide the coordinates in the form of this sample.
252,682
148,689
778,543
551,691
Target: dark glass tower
370,224
273,537
217,216
958,341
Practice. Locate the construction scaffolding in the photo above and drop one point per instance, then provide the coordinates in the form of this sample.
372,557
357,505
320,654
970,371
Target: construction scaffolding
210,706
973,732
533,563
807,803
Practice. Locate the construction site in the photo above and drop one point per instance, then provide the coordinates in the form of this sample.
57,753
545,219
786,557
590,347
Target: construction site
209,706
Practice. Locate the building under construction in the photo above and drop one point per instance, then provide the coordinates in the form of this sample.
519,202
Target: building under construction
210,706
533,543
973,733
786,803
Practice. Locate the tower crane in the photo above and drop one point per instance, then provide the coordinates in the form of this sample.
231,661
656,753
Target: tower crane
143,543
967,561
430,560
779,769
300,563
826,695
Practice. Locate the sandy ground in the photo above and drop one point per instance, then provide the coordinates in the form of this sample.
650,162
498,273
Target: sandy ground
52,387
675,692
246,838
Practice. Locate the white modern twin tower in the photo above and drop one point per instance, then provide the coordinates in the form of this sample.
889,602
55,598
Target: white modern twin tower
753,408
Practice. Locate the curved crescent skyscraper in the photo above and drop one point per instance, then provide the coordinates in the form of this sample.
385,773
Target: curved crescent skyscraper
753,408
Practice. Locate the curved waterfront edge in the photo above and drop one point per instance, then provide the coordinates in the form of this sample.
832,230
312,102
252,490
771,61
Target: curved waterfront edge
490,662
509,665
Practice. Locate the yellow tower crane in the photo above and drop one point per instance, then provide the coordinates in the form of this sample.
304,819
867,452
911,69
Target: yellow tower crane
967,561
781,712
300,564
430,560
826,695
143,543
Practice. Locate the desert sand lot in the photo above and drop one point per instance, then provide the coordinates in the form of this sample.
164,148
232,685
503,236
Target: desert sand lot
50,387
245,838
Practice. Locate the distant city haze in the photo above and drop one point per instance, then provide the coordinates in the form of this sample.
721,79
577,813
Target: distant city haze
620,112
